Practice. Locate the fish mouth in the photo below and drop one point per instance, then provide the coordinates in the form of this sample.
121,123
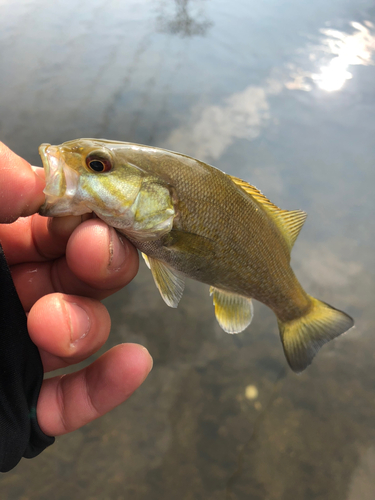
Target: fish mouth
61,183
55,177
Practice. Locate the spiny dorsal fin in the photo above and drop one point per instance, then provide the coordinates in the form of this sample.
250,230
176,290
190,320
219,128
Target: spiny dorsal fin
290,222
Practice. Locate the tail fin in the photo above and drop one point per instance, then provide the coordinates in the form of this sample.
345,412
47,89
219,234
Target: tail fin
303,337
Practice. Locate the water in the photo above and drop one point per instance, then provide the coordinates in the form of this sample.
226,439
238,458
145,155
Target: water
281,94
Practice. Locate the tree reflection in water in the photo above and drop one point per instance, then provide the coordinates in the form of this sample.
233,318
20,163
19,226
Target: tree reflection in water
185,21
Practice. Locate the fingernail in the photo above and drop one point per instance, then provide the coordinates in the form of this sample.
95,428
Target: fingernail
151,359
117,252
79,322
38,171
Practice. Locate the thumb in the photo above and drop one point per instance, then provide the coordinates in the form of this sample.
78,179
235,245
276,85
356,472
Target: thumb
21,189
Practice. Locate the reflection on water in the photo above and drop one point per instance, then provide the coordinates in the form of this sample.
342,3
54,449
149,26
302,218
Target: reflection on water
210,130
348,50
219,414
184,22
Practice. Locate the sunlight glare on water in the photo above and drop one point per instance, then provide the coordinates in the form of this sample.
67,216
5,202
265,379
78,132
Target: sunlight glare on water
348,50
282,95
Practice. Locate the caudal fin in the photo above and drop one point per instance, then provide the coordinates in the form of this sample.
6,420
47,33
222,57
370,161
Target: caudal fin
303,337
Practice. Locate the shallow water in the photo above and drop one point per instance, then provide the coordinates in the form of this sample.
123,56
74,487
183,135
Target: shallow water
281,94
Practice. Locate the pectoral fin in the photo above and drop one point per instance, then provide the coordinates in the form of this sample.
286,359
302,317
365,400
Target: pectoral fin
170,284
233,312
145,258
190,243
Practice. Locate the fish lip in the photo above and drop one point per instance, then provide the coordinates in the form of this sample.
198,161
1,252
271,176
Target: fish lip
61,183
42,151
50,191
54,170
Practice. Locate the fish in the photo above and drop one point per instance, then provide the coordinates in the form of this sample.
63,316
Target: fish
191,220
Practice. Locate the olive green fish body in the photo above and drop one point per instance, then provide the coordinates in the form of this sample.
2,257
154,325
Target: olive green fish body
189,219
241,240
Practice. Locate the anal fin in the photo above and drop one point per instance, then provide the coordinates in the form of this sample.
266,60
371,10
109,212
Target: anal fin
168,281
233,312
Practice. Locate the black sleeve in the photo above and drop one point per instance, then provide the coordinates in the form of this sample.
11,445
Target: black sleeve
21,376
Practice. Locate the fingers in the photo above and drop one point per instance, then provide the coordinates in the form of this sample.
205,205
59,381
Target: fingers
105,251
21,189
97,264
67,329
36,238
71,401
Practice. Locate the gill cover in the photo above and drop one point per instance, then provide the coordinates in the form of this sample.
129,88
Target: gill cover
89,176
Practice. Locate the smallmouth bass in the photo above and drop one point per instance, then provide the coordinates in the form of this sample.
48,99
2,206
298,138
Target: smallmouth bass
189,219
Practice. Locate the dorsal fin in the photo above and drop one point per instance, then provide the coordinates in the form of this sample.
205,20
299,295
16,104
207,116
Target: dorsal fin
289,222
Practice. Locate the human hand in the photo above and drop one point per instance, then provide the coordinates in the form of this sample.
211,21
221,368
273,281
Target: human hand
62,268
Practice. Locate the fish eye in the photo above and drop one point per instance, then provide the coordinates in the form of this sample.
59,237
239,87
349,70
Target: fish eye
98,162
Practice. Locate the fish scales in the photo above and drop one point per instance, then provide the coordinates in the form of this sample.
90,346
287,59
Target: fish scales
189,219
215,208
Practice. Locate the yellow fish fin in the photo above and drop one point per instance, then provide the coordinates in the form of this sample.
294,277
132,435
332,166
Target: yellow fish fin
170,283
303,337
145,258
233,312
290,222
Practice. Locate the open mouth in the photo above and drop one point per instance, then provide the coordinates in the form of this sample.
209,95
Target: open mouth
61,185
52,164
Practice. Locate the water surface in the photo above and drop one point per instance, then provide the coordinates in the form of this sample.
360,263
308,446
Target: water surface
281,94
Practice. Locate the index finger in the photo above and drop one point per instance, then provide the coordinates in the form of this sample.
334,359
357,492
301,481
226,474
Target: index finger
21,189
37,238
